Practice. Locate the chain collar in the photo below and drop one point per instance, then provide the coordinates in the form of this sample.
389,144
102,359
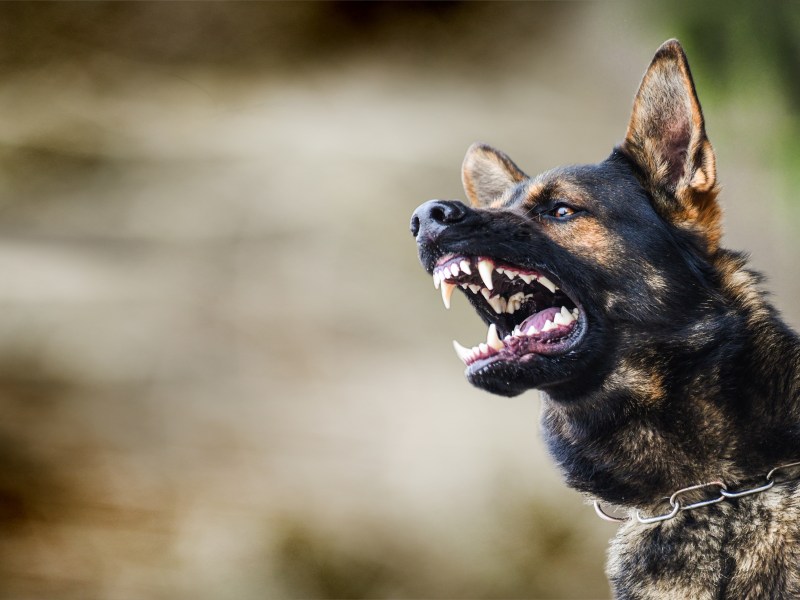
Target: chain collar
675,502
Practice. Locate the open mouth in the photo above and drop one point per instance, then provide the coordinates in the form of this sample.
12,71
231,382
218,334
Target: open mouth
527,311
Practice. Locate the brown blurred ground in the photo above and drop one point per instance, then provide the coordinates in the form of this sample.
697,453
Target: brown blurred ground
222,372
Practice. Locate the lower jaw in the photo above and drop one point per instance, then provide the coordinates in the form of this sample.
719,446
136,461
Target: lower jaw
520,351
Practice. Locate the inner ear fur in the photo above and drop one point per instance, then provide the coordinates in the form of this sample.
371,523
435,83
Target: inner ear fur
487,174
666,137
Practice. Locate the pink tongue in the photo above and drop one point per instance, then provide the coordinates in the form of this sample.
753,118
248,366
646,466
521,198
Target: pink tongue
538,320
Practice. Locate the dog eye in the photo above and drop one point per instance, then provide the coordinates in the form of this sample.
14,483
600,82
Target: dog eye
561,211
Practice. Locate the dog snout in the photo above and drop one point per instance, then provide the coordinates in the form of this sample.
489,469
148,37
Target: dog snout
434,216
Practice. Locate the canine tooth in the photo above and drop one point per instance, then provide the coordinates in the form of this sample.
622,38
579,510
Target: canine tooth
567,315
475,288
485,268
548,284
454,269
447,292
465,267
492,339
436,279
463,353
548,325
526,278
560,320
496,304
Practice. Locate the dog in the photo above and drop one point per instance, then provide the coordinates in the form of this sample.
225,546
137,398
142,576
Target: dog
670,385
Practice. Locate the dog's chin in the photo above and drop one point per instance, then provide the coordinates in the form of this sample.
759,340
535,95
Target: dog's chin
504,378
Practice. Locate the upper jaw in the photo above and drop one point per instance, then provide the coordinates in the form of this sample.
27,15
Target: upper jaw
528,313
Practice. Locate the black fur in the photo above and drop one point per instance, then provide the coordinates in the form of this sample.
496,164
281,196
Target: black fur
680,372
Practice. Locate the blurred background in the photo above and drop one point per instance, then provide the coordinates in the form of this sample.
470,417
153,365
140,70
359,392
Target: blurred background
223,373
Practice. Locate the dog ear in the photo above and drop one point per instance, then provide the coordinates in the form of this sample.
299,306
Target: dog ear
487,173
666,137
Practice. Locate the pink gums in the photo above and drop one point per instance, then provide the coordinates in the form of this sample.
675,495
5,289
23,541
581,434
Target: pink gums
538,320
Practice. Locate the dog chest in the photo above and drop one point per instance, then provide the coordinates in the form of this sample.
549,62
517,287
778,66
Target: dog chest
744,549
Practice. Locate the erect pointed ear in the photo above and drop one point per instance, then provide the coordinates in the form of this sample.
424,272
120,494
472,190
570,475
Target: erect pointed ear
487,173
666,137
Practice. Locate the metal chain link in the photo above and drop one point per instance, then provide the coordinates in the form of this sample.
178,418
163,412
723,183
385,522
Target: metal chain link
675,503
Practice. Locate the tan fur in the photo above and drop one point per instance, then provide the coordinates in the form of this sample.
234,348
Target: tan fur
742,284
586,237
666,96
765,542
647,384
700,381
487,173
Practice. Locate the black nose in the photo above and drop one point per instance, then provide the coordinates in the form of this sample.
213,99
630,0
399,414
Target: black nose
435,215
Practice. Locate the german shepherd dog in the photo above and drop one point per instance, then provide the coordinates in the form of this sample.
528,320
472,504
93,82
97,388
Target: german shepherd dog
671,387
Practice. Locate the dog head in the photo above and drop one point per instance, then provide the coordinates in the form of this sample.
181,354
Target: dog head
580,268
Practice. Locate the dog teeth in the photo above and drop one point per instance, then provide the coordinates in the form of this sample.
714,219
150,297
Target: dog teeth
447,292
564,317
569,317
548,284
482,350
463,353
485,268
446,277
517,298
497,303
492,339
548,326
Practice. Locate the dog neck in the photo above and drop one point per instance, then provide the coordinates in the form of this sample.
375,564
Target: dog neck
671,415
